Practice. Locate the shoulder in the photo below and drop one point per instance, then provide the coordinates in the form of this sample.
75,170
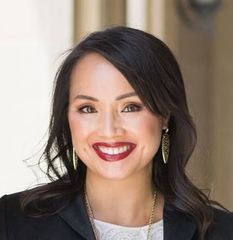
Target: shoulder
184,226
3,218
222,228
10,209
9,206
11,201
15,222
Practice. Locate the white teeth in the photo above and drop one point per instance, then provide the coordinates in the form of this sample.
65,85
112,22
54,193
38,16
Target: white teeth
114,151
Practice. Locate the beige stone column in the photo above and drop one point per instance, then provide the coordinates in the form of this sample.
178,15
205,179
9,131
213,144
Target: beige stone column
156,17
136,14
114,12
163,22
222,101
87,17
94,15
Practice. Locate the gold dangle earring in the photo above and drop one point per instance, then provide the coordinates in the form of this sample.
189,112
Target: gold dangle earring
165,146
75,160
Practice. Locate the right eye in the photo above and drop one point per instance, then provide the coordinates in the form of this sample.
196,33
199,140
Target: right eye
87,109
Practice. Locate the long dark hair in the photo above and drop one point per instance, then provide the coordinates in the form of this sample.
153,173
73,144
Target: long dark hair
153,72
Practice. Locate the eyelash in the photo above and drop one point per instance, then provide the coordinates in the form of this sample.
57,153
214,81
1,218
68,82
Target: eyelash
90,109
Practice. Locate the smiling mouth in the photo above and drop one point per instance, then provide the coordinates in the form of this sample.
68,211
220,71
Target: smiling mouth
114,151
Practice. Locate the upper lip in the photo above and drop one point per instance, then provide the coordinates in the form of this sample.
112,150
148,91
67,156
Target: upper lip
115,144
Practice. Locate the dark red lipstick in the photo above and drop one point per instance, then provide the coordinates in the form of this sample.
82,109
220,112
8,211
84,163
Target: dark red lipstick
100,149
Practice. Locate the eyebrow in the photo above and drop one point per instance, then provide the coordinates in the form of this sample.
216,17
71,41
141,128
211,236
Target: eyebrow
126,95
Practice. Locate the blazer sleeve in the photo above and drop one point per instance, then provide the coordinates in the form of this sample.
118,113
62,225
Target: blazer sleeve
3,228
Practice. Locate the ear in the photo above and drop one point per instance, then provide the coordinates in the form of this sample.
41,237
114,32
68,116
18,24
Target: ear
165,123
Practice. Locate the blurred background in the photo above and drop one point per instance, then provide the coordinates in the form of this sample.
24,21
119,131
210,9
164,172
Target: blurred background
34,37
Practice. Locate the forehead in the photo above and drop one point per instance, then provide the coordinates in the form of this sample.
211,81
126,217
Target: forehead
96,74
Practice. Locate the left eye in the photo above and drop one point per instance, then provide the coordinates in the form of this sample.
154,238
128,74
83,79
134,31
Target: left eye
87,109
132,108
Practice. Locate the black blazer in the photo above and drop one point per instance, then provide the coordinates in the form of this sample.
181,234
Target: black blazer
72,223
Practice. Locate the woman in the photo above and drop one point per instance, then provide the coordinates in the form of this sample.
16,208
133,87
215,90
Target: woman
120,138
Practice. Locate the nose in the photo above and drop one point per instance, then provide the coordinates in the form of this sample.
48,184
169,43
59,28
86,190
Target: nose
110,125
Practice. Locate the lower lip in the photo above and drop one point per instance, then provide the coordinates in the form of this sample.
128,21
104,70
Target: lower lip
114,157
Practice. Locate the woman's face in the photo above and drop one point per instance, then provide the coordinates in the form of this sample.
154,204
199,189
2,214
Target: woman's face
113,133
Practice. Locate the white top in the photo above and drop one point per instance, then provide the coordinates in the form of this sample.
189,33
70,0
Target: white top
108,231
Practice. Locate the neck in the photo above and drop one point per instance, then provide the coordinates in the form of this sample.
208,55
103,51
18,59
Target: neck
125,202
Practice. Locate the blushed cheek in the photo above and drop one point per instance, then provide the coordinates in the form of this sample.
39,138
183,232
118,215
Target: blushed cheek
151,130
80,129
147,123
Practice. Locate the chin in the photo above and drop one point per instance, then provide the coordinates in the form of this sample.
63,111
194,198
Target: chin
114,176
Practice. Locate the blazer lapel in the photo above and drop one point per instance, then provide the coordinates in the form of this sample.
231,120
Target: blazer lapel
178,225
76,216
